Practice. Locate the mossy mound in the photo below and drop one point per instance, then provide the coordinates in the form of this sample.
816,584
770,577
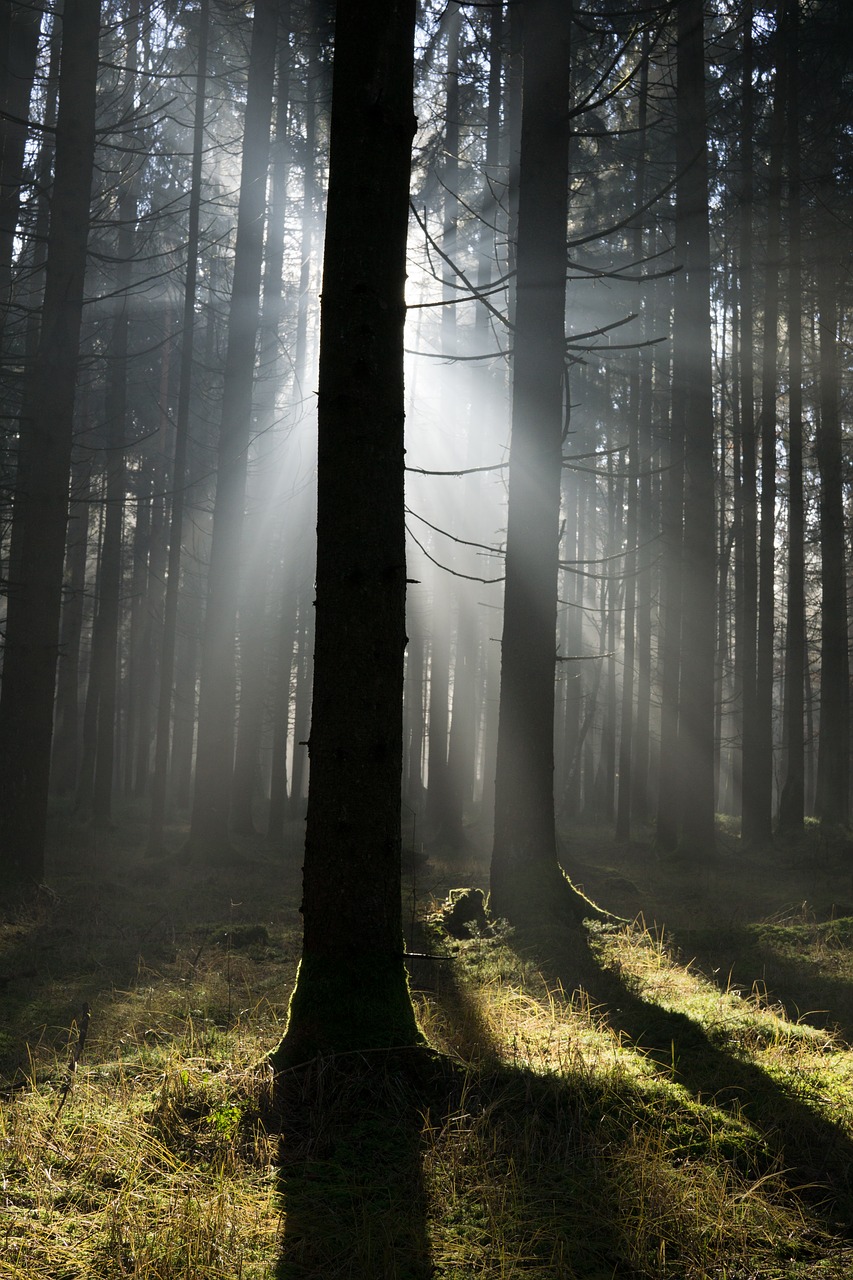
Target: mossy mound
464,913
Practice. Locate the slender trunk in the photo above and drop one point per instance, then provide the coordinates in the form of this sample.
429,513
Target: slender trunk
159,779
109,580
32,624
792,800
254,663
66,734
747,640
758,799
692,407
626,734
215,746
832,798
525,875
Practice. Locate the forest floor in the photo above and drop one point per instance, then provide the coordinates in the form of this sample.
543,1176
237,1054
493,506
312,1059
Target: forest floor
670,1099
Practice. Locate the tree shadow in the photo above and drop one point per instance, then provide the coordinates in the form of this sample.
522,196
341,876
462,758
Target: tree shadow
351,1166
103,936
800,981
812,1155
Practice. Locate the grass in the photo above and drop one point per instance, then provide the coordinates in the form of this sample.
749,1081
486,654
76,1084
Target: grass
670,1100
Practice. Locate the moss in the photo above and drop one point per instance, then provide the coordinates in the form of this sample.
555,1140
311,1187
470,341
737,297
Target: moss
346,1004
463,909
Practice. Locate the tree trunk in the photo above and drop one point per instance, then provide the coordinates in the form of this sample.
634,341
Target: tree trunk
692,412
351,989
254,662
627,746
747,638
32,625
160,776
215,745
66,736
758,798
525,876
832,798
792,800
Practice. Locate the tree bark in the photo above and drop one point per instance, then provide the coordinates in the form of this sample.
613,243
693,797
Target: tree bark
32,626
747,633
351,990
215,744
758,797
525,876
832,798
792,800
692,412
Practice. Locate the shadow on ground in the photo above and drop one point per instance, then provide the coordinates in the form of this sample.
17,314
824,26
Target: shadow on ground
813,1156
351,1166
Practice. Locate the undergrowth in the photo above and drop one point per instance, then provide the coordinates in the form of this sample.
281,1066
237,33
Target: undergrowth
592,1107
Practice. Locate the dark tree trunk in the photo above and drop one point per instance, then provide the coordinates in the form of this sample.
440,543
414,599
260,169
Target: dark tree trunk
692,414
159,779
525,876
302,659
832,798
215,745
747,635
32,625
254,658
758,798
351,989
66,735
413,783
108,617
627,743
438,715
283,664
792,800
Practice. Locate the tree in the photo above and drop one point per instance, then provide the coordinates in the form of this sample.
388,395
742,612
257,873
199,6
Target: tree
692,416
351,990
32,626
159,780
525,875
215,747
792,799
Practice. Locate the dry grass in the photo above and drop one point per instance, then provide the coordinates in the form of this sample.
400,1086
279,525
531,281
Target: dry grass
613,1111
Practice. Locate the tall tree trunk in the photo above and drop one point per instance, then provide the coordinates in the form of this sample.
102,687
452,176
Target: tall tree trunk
832,797
109,579
670,644
525,876
254,661
66,736
438,715
747,637
160,776
627,746
792,800
351,989
758,798
692,412
32,625
215,745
